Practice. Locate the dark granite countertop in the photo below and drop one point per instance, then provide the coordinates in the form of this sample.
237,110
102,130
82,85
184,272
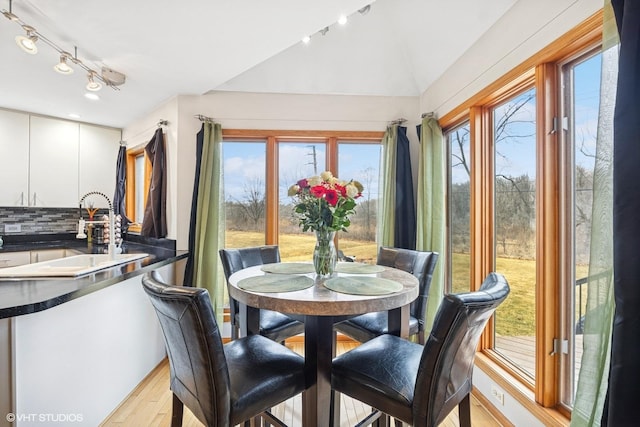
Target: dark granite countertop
24,296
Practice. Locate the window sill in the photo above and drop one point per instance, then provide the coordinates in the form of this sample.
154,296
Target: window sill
548,416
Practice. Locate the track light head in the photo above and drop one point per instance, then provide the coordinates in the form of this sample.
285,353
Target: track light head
28,42
93,85
62,67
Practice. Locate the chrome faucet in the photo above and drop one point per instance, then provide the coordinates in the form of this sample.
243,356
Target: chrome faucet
112,248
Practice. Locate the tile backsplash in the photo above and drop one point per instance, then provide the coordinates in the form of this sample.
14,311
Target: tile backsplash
40,220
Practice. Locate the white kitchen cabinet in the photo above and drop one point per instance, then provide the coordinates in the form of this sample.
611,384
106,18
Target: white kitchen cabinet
14,155
48,162
53,162
98,156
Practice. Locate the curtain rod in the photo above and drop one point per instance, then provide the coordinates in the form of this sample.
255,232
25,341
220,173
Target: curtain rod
397,121
204,118
430,115
163,122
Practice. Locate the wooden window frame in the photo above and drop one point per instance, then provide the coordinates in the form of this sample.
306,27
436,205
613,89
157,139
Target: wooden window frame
539,71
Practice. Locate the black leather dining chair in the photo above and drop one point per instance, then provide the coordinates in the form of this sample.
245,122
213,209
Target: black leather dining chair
416,384
370,325
273,325
223,385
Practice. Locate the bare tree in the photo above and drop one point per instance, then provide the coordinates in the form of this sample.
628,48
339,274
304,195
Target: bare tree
252,207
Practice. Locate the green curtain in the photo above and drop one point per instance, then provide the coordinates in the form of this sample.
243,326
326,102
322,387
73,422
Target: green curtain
594,369
387,212
431,207
210,220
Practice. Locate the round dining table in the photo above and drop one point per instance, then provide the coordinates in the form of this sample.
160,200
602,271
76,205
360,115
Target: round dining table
320,303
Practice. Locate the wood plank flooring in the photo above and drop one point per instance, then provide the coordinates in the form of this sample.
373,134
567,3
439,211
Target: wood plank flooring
150,404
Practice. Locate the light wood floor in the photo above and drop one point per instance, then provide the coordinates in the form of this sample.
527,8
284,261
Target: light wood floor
150,404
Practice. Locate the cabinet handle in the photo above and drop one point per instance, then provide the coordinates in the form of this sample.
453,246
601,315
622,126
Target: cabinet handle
22,198
34,199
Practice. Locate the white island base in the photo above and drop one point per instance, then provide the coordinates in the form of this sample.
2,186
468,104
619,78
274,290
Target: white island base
73,364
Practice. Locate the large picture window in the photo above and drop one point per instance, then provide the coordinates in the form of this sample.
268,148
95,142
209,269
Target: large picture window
521,160
260,167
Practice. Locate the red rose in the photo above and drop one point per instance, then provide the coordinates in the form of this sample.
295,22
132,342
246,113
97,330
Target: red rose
331,196
318,191
303,183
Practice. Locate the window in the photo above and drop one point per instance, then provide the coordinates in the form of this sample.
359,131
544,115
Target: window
580,104
524,150
244,193
260,167
137,186
514,154
459,209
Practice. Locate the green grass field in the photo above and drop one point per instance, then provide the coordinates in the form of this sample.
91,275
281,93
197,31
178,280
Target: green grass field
515,317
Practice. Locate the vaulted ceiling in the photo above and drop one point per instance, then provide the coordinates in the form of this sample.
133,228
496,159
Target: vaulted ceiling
398,47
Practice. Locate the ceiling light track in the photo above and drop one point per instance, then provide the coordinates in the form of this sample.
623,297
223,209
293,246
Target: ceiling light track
342,20
27,43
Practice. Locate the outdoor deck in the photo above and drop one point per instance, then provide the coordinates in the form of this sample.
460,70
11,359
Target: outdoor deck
521,351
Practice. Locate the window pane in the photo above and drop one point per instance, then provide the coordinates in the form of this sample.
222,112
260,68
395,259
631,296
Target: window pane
244,193
514,139
139,192
361,162
459,200
296,160
584,97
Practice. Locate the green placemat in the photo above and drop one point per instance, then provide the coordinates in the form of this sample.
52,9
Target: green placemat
363,285
358,268
279,283
288,268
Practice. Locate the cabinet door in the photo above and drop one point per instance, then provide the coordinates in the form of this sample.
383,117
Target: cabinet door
53,154
98,156
14,154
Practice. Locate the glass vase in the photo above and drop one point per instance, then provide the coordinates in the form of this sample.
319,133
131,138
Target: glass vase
324,253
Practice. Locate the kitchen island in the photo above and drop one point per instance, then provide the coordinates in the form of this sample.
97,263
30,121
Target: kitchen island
74,348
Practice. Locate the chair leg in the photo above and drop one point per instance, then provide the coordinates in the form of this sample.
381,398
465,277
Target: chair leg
235,331
421,337
464,411
176,412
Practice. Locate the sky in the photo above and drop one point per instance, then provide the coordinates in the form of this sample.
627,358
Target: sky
245,163
517,156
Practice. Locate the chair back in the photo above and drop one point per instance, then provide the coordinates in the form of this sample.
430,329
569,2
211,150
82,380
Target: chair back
419,263
446,367
234,260
199,372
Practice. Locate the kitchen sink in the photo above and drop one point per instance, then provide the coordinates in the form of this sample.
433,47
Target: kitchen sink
72,266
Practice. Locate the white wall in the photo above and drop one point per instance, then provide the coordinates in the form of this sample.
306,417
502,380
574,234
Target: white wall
524,30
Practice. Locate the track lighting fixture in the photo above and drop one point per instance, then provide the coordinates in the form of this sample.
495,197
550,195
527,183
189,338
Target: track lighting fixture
342,20
93,85
62,67
28,42
96,79
365,10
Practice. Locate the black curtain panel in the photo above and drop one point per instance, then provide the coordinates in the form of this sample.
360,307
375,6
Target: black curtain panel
624,375
121,181
154,223
405,224
188,272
